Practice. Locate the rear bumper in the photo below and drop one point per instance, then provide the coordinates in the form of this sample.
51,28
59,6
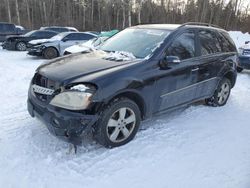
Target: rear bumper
66,125
244,62
8,46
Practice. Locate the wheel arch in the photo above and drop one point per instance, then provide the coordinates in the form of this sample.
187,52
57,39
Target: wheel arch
231,76
58,54
135,97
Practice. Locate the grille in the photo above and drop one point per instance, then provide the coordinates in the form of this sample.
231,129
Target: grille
43,82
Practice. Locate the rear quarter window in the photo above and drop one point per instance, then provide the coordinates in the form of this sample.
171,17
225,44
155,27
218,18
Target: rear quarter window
226,42
209,42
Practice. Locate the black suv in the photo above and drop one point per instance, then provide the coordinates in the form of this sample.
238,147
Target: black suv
8,29
140,72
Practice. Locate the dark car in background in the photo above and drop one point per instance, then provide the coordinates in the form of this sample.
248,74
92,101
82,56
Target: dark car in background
20,42
140,72
55,46
244,57
59,29
9,29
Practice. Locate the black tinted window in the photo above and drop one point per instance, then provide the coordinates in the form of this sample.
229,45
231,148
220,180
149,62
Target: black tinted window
72,37
85,36
37,34
183,46
209,42
47,34
79,36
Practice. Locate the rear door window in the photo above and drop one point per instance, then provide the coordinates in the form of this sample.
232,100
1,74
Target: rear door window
209,42
183,46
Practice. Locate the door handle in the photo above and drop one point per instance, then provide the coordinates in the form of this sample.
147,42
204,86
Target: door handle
195,69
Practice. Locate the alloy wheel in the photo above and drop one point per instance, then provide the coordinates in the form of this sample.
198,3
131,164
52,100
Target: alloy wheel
121,124
223,93
21,46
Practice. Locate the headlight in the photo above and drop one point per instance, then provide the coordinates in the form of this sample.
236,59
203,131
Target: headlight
76,98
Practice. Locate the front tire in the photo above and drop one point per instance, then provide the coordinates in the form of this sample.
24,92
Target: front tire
21,46
118,123
221,94
50,53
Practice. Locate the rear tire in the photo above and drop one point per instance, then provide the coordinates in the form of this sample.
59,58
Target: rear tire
50,53
21,46
118,123
221,94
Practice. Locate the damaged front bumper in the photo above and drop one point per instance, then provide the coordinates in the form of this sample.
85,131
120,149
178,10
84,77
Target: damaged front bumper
67,125
36,50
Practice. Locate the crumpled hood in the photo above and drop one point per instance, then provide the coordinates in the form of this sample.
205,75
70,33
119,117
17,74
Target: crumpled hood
41,41
75,66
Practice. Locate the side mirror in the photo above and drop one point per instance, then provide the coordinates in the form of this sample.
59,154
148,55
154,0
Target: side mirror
169,60
247,42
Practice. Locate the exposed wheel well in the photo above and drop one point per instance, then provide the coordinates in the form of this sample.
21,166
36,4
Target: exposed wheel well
134,97
231,77
50,47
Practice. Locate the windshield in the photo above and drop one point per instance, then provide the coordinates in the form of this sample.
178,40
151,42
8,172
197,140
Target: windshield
140,42
59,36
29,33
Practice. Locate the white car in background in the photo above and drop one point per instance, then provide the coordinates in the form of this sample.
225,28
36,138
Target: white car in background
85,46
92,44
55,47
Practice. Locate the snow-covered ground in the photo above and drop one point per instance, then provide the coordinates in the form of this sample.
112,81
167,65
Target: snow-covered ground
198,147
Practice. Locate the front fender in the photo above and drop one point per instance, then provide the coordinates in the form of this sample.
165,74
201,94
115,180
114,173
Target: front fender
108,91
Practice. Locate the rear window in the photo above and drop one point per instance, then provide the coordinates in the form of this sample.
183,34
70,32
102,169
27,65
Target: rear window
7,28
209,42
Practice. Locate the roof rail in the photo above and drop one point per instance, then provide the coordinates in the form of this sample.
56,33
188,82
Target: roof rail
200,24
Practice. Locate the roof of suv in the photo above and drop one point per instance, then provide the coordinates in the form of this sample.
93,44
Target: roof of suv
176,26
158,26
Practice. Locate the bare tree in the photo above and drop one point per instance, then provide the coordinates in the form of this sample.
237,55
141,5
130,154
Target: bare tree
110,14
